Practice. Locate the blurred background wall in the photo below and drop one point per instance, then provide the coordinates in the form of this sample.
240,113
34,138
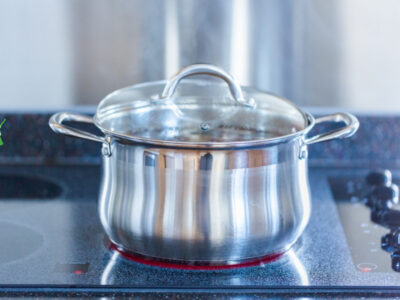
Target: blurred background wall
60,53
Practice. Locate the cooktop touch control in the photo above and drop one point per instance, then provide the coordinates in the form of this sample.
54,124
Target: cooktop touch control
373,205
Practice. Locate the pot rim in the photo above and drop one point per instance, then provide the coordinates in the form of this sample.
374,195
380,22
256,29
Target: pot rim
211,145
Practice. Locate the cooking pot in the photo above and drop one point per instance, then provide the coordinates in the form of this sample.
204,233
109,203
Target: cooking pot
203,171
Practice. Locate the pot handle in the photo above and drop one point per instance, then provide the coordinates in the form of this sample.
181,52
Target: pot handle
204,69
56,124
351,126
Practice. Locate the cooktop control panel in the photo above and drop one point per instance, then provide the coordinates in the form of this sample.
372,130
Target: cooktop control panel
370,213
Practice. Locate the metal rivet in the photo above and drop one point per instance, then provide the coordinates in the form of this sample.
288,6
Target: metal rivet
204,126
106,150
303,153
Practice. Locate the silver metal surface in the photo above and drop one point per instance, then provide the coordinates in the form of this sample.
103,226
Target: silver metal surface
56,124
204,206
196,201
351,126
200,114
317,53
250,39
199,69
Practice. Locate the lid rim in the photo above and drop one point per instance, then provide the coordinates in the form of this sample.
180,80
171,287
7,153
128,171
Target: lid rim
210,145
106,110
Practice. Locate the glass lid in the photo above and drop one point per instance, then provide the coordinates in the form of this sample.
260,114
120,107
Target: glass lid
198,112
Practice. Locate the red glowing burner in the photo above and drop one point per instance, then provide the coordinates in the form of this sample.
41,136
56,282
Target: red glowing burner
180,266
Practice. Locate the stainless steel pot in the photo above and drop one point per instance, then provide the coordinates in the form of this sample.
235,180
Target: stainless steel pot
202,173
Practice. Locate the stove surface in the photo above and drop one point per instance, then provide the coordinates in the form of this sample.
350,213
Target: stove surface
54,239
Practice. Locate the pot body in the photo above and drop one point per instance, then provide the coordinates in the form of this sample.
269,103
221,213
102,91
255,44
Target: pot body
212,206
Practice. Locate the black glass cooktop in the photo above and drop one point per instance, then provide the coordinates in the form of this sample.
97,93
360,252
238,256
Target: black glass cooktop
370,214
51,239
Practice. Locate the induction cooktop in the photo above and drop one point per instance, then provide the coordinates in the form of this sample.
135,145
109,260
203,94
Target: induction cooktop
52,242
